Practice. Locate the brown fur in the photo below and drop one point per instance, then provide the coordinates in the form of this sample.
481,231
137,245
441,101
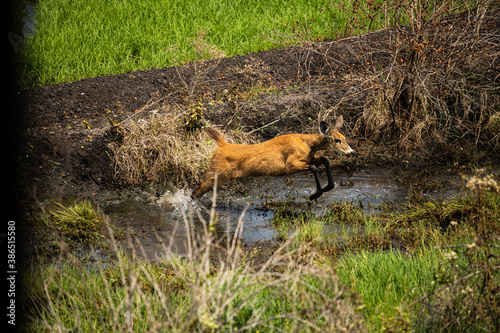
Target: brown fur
284,154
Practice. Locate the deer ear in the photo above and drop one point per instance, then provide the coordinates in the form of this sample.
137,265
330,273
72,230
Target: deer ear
338,124
324,128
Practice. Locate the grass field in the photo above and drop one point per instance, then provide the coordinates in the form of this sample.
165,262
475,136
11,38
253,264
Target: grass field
80,39
448,279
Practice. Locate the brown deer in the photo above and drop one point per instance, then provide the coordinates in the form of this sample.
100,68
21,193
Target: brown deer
282,155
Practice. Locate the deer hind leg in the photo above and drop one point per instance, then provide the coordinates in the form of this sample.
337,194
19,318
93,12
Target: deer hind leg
208,184
205,186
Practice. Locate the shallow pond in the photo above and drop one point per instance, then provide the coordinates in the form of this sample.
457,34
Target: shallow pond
160,227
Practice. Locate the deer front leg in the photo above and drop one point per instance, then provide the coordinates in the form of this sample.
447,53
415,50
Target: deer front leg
314,170
330,184
319,190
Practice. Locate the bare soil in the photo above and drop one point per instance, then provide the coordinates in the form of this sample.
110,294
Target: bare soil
66,128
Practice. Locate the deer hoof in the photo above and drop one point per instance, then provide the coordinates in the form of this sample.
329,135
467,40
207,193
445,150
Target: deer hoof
328,188
315,195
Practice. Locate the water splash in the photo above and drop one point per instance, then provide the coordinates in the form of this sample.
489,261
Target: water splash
179,199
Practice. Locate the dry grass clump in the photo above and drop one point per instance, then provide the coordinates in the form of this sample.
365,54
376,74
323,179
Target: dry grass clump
160,150
168,148
483,182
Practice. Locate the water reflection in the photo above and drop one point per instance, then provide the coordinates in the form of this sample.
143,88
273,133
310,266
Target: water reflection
161,226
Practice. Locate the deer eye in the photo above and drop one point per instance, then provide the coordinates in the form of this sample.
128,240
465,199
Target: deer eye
338,141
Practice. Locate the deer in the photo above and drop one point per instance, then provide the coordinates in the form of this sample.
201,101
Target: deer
282,155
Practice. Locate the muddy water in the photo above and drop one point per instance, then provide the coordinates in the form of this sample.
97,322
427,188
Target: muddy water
159,226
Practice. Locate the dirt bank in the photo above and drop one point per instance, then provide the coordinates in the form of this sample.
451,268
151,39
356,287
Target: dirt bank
67,128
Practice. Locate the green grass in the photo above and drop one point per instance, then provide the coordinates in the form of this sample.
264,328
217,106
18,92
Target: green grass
74,224
387,281
187,296
448,278
80,39
445,241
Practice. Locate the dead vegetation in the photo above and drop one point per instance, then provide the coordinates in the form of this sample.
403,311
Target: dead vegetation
160,149
426,83
441,88
165,148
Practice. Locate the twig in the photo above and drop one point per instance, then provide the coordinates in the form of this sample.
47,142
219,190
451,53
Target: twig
238,108
148,105
272,122
465,245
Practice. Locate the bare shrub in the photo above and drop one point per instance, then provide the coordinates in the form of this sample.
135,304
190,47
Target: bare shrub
440,89
426,82
195,74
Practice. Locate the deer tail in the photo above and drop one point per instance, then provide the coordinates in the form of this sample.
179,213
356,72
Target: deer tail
216,135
